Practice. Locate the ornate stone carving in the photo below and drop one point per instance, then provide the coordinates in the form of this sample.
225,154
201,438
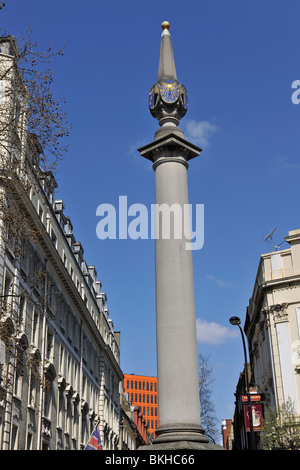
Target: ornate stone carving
279,312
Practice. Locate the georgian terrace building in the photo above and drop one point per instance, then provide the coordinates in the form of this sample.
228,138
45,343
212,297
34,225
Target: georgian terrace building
59,354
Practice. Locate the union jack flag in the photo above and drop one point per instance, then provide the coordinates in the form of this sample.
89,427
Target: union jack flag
95,440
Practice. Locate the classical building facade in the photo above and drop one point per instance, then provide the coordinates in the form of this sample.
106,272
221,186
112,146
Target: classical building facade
59,353
272,326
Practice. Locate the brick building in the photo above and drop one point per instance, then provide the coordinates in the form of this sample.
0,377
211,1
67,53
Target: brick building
143,391
227,433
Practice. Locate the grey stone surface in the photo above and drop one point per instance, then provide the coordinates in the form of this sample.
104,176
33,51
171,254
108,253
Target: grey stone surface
181,445
166,69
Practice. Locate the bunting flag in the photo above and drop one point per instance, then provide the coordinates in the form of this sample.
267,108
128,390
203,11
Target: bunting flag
95,440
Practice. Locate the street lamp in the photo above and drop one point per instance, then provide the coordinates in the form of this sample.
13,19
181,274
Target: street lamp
237,322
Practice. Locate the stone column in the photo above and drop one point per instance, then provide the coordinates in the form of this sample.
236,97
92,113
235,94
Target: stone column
178,385
177,358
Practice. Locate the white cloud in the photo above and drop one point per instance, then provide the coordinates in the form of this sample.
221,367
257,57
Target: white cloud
220,282
199,132
285,163
135,157
133,149
213,333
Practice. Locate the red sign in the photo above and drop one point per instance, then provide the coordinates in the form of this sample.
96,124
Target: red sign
253,397
257,416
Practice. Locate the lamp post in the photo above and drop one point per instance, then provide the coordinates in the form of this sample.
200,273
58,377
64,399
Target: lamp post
237,322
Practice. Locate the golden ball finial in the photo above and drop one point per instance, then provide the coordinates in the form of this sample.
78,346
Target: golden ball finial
165,25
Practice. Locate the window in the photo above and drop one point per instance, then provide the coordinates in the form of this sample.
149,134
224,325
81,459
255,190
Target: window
33,387
69,415
49,344
29,441
14,438
18,380
7,292
61,359
21,318
276,262
53,237
40,212
65,260
35,323
61,408
47,402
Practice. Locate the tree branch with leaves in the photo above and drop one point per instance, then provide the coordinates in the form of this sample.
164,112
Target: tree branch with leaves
281,428
33,128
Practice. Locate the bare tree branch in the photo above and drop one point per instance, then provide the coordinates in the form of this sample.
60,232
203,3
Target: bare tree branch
207,409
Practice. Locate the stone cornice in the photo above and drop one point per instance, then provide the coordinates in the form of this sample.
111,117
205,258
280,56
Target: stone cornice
170,147
289,282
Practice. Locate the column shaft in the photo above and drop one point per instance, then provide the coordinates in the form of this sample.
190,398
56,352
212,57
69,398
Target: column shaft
178,383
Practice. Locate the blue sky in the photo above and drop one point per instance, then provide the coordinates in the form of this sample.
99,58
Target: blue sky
238,61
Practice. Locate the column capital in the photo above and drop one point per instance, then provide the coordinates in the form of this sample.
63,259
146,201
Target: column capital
170,148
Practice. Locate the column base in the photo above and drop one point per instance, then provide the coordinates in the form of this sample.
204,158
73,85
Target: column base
181,437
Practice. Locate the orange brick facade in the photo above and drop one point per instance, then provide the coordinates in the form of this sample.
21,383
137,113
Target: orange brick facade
143,391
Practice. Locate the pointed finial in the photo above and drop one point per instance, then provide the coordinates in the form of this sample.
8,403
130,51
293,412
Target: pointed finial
166,68
165,25
167,97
